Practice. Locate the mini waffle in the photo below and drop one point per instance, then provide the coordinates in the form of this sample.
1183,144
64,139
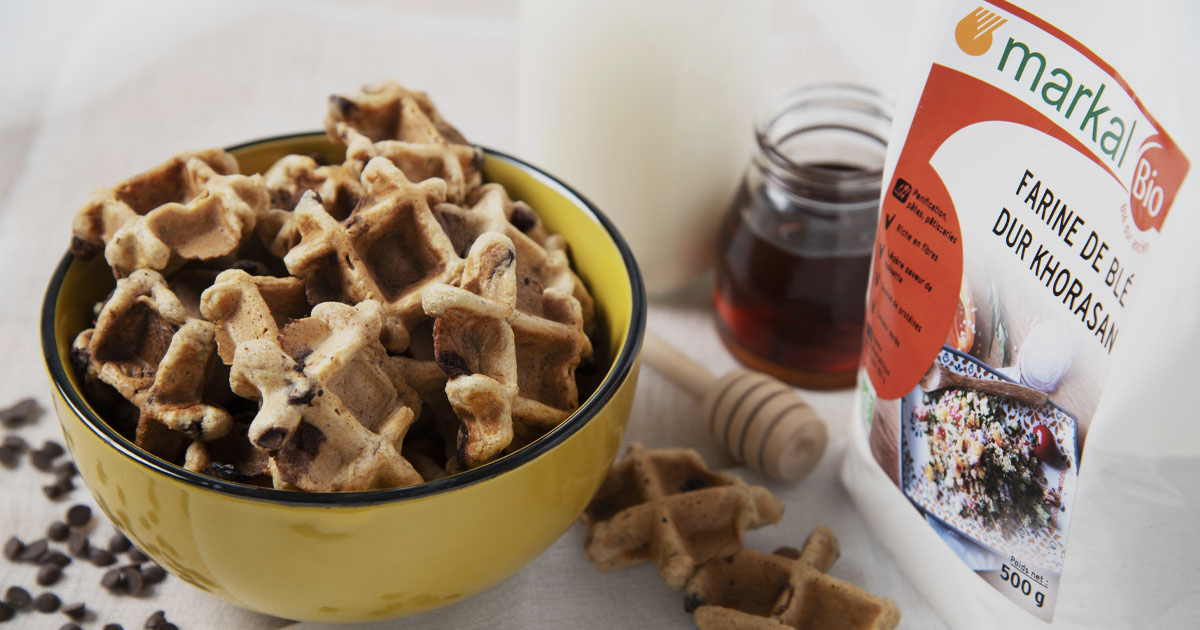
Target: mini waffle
246,307
545,282
110,208
389,249
387,120
787,589
337,188
146,347
330,415
665,506
505,366
210,219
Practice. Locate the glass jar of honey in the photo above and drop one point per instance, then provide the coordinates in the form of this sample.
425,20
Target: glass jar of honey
795,246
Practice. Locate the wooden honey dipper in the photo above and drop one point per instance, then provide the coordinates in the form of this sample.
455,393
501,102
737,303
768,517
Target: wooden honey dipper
762,422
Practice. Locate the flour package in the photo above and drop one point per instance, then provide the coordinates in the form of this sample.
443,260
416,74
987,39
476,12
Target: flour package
1027,441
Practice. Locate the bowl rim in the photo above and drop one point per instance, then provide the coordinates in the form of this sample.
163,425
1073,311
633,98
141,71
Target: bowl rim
623,365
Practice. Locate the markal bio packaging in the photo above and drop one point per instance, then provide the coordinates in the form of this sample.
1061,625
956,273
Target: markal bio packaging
1028,441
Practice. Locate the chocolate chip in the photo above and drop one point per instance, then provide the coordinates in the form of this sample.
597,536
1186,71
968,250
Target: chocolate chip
53,449
34,550
692,602
153,574
48,575
58,531
78,544
301,397
344,105
155,620
9,457
119,543
16,443
47,603
168,626
19,412
133,579
18,597
6,612
75,611
112,579
452,363
522,217
64,484
79,515
70,626
113,626
65,469
272,439
53,491
41,460
100,557
13,548
136,556
228,472
85,249
55,558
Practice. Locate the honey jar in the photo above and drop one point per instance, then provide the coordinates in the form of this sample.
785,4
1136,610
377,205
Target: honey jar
795,246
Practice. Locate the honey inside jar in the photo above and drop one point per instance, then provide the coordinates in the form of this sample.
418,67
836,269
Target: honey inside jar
795,248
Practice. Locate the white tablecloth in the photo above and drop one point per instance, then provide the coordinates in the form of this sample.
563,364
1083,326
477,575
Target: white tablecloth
95,91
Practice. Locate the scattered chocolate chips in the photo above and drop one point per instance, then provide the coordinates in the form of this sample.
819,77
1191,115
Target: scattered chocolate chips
70,626
9,458
55,558
52,449
18,597
75,611
78,544
136,556
79,515
65,468
133,579
119,543
16,443
41,461
113,626
155,620
112,579
47,603
65,483
33,551
53,491
58,531
18,413
48,575
13,548
6,612
153,574
100,557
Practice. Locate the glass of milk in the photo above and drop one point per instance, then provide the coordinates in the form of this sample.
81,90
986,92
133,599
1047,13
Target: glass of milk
644,107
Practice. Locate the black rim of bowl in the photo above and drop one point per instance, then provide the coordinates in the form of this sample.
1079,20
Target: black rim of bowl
622,365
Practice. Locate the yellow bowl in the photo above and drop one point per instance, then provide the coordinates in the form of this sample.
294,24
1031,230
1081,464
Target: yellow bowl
364,555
